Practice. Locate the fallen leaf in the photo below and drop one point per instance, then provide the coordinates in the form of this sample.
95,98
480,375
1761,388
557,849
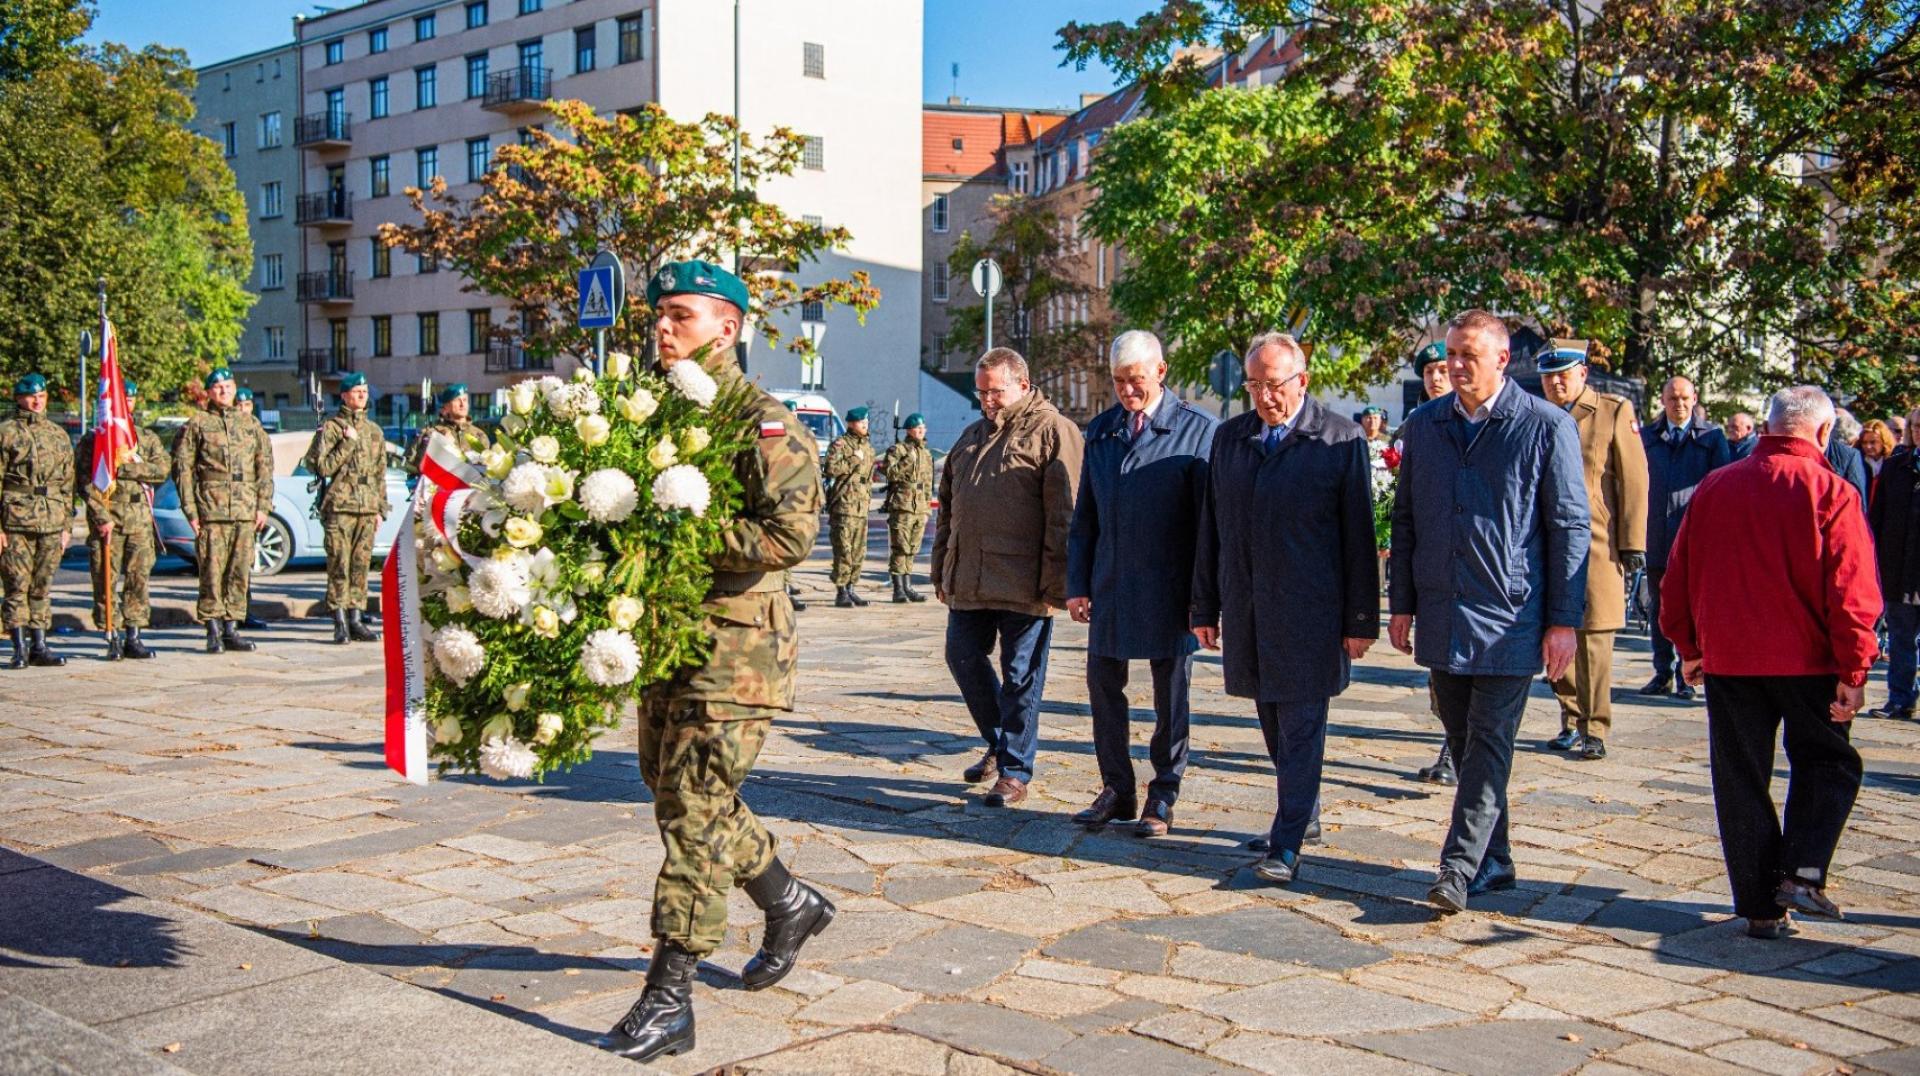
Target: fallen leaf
573,971
498,997
1571,1037
171,1048
246,967
1799,1045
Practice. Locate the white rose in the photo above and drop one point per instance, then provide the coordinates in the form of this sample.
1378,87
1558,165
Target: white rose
593,571
544,448
459,599
583,373
523,532
513,425
447,730
663,453
445,559
516,696
625,612
695,439
498,727
497,461
619,364
546,622
593,430
549,727
638,407
522,397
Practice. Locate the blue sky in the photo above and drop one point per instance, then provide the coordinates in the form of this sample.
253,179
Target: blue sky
1004,47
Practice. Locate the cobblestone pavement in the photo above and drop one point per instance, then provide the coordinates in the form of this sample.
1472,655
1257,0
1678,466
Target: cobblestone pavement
971,940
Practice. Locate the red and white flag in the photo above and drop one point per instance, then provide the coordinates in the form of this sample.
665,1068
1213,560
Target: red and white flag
113,437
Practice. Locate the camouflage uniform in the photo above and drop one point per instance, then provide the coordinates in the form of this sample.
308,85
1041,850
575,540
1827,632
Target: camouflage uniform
223,468
355,471
909,467
130,549
701,731
849,475
461,432
36,509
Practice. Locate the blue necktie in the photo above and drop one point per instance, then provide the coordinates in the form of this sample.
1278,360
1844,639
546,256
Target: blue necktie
1272,440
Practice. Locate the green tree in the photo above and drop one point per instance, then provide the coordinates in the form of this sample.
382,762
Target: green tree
643,185
1030,242
1691,184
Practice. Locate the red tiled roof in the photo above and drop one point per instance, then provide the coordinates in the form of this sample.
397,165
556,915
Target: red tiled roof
982,134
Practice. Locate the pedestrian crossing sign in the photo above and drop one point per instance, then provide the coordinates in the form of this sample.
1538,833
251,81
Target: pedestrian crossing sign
597,310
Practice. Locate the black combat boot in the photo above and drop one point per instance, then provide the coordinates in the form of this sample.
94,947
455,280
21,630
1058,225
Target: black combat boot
253,623
906,584
37,652
213,635
19,636
340,626
843,597
230,637
661,1022
793,596
795,912
900,589
853,596
357,628
115,650
134,648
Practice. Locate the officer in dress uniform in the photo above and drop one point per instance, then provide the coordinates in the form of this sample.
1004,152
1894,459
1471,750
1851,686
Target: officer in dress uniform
849,475
223,468
909,469
36,510
701,731
120,535
349,455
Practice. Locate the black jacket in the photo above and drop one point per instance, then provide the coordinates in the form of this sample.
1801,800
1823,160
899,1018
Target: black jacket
1895,519
1673,470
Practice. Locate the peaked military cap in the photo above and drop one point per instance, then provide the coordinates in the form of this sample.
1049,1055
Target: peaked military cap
215,376
696,277
1552,360
30,385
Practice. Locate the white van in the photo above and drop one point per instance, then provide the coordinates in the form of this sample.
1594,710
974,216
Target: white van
817,412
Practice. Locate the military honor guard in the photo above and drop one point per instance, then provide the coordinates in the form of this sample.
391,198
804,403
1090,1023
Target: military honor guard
849,477
452,421
909,470
701,731
120,536
223,469
36,508
349,456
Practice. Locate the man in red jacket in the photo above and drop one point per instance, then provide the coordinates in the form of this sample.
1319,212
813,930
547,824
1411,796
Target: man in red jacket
1778,622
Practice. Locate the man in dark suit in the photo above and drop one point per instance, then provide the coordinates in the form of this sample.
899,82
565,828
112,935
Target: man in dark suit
1680,452
1742,438
1894,517
1286,577
1129,565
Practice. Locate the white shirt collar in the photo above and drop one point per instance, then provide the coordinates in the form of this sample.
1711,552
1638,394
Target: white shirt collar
1480,414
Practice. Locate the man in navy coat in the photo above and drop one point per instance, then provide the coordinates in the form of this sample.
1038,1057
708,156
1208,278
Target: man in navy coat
1129,565
1286,577
1681,451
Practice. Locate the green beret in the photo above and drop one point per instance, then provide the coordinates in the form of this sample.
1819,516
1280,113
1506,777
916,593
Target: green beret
132,389
915,419
29,385
857,414
1432,353
242,393
215,376
696,278
352,381
1374,410
451,393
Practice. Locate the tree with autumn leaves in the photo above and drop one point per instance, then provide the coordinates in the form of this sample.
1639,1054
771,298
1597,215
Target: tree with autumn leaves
650,189
1041,269
1725,190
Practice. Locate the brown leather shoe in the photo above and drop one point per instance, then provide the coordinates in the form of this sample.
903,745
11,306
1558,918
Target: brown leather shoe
1108,807
982,770
1155,820
1006,792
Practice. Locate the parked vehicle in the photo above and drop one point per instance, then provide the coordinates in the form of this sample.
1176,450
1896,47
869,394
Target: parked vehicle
817,412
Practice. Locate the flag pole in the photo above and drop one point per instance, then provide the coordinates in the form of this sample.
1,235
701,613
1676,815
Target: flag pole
106,540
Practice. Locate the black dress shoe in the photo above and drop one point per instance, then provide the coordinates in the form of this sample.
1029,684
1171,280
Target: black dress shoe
1155,820
1900,713
1683,692
1441,772
661,1022
982,770
1566,741
1108,806
1592,750
1280,869
795,912
1496,880
1449,891
1659,685
1310,835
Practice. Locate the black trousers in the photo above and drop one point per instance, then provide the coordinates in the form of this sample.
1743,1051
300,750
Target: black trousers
1482,717
1107,693
1744,719
1296,736
1665,662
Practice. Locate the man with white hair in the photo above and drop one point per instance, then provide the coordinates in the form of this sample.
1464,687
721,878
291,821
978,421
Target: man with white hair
1129,573
1807,578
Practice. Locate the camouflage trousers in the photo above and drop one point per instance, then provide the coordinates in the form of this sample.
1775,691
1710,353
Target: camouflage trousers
26,570
131,555
694,766
225,552
904,531
849,548
349,551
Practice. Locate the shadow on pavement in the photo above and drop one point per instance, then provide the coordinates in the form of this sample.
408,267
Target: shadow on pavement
61,917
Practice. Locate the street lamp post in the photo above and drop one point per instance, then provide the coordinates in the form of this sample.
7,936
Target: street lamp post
815,331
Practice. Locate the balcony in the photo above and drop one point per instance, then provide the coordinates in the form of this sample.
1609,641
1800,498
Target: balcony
326,288
323,130
522,89
323,210
513,359
326,361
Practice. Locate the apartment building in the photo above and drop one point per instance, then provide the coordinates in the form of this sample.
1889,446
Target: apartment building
247,106
395,92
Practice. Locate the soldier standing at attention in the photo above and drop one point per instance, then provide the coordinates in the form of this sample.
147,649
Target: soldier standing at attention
36,510
909,467
454,406
120,535
701,731
243,403
849,475
349,453
224,471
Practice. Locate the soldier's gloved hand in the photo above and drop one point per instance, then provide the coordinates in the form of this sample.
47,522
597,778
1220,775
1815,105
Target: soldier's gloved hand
1632,560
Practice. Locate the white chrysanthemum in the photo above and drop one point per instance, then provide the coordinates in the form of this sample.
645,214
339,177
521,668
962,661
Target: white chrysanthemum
458,653
525,488
570,401
508,758
689,380
547,385
548,728
608,495
610,658
500,589
683,486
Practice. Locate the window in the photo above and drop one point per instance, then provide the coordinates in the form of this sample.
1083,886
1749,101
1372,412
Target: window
269,130
336,108
959,144
270,200
814,157
813,310
259,72
226,82
479,158
476,14
939,282
380,259
423,27
477,75
813,60
939,214
813,221
380,176
229,140
382,335
528,7
532,54
479,330
1100,265
274,341
1017,182
430,333
426,86
377,40
336,50
426,165
379,100
424,263
633,38
583,57
273,271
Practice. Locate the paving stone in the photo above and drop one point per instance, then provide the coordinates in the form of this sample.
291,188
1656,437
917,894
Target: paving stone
1120,1015
526,980
38,1040
951,961
1002,1032
104,852
864,1002
1303,1057
862,1051
1505,1048
442,913
1678,1028
1270,933
1592,990
189,862
347,892
926,890
1109,947
1128,1055
1313,1006
476,883
1049,999
494,846
1187,1029
250,905
1671,1061
1765,1019
1771,1057
348,849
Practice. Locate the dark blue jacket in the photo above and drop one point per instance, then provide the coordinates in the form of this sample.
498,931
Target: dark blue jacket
1286,565
1739,450
1490,534
1849,464
1131,546
1673,470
